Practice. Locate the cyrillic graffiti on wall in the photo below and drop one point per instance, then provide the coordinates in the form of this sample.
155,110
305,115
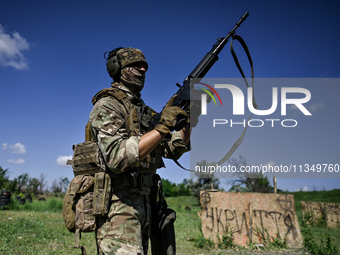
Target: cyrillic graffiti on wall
248,215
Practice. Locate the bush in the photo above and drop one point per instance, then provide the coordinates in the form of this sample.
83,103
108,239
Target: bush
171,189
227,240
51,205
269,241
204,243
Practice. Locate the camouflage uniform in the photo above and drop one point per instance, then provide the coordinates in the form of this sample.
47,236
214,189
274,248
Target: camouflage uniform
126,229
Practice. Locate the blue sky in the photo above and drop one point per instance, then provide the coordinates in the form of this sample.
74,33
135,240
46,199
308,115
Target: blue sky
51,64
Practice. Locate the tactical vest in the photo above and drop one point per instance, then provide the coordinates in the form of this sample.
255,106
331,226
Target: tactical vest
138,117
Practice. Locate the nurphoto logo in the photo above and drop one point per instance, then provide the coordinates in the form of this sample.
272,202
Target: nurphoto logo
238,99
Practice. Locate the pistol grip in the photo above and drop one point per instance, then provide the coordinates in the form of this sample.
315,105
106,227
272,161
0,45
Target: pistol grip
181,123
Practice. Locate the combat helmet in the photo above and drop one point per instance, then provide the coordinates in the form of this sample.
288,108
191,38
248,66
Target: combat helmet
121,57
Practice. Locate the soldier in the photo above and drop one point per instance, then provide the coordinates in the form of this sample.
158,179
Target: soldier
119,122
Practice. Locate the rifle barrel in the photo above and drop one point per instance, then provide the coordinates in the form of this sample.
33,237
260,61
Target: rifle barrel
204,65
212,56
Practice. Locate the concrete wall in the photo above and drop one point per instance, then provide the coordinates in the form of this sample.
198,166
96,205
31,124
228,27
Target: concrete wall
245,212
329,210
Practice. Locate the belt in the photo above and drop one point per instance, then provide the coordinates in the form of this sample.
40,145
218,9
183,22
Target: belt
142,180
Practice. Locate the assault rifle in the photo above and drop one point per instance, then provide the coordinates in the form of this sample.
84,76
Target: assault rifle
185,91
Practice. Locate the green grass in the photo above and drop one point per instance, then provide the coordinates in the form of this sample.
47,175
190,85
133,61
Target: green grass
187,224
51,204
38,228
23,232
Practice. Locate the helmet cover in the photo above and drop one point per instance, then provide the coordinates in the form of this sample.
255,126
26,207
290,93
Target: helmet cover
129,55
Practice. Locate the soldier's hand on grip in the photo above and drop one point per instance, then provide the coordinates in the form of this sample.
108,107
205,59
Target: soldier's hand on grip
170,118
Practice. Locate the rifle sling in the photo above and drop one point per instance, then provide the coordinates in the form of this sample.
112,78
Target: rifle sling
174,159
244,46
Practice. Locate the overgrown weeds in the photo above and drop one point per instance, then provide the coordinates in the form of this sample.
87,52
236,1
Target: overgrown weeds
269,241
325,246
202,242
227,240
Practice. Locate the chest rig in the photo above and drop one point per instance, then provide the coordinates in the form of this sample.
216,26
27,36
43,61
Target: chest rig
137,119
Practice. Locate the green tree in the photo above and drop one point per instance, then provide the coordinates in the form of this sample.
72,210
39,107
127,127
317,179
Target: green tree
248,182
56,187
205,179
22,182
4,178
168,188
184,188
60,185
64,183
43,183
12,185
33,186
171,189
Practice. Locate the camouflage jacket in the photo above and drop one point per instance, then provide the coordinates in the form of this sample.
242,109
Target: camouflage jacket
118,127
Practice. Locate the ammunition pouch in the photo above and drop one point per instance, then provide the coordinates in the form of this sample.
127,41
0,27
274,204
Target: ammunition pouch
87,159
89,192
77,205
101,194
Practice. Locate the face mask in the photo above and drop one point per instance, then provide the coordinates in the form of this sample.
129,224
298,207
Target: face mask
133,78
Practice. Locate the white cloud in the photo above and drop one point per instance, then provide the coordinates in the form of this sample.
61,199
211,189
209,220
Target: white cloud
19,161
270,163
305,188
11,46
315,107
311,108
17,148
4,146
293,107
61,160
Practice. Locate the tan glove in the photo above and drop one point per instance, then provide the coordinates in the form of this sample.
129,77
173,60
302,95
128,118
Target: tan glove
169,117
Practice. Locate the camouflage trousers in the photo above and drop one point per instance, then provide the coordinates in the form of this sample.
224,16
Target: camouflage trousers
127,228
